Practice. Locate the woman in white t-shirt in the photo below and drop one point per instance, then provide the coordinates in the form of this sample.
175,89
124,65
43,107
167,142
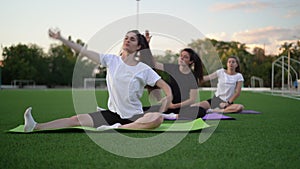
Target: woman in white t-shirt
229,87
126,79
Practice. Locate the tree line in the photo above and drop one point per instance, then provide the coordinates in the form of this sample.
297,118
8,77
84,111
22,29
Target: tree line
55,68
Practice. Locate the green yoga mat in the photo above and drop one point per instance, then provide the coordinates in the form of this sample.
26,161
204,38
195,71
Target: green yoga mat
194,125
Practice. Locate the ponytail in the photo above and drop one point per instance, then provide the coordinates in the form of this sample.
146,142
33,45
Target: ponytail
197,64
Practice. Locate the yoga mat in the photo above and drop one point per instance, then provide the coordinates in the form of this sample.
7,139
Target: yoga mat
210,116
217,116
242,112
249,112
194,125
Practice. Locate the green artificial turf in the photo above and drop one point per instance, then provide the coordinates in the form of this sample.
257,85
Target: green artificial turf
267,140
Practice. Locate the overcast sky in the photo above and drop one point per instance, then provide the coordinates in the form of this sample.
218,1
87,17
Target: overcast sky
253,22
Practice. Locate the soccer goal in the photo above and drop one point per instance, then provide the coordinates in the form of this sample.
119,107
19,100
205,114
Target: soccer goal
293,74
95,83
23,83
289,89
259,80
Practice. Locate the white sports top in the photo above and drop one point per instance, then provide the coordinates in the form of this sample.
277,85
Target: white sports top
126,84
227,84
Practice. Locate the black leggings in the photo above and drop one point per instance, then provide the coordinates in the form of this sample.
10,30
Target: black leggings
185,112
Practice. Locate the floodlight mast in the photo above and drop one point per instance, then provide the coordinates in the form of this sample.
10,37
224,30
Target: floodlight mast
289,64
137,14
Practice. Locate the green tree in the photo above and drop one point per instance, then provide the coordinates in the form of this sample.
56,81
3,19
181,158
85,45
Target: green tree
68,68
23,62
61,62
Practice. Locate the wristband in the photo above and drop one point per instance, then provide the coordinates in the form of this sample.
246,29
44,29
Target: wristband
229,102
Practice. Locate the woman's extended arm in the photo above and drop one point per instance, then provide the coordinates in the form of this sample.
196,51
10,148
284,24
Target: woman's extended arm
191,100
78,48
210,77
237,92
168,92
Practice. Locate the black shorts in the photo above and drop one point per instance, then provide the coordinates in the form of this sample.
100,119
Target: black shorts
215,102
107,117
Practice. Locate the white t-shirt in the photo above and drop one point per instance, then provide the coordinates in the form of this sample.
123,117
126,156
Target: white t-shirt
126,84
227,84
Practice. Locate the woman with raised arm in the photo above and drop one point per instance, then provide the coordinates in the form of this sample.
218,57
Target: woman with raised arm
229,87
126,79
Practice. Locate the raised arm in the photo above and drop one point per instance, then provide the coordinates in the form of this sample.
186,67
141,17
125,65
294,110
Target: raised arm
78,48
157,65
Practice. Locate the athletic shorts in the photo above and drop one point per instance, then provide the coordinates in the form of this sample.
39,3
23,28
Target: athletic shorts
215,102
107,117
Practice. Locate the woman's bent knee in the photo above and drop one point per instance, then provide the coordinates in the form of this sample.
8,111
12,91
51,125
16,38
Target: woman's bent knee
158,117
240,108
154,120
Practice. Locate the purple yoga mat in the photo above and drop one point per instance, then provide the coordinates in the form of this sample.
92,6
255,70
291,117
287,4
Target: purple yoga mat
217,116
249,112
220,116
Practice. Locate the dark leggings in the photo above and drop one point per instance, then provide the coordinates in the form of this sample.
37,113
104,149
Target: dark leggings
184,112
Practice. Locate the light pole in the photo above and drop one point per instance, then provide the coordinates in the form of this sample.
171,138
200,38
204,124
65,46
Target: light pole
288,78
137,14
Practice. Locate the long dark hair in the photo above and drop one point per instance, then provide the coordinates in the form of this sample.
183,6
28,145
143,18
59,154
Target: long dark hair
196,66
144,53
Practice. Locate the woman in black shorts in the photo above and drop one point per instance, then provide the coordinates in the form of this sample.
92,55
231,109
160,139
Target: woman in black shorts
126,79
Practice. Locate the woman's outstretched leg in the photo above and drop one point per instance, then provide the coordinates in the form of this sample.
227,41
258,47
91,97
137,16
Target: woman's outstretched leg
77,120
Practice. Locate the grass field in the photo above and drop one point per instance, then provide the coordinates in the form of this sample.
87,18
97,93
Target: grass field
267,140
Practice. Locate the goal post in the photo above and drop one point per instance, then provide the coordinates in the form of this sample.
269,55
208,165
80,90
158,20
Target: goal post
260,81
20,83
280,62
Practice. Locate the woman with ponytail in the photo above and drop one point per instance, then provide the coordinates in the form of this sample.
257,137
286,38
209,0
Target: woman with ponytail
184,79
